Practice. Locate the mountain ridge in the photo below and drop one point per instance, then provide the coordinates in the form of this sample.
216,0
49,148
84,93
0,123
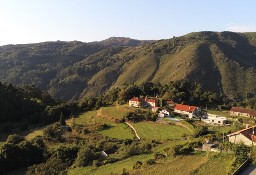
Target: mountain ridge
223,62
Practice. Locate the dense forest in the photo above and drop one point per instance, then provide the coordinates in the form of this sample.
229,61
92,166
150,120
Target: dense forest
221,62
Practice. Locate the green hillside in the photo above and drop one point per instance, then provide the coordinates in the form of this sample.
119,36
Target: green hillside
223,62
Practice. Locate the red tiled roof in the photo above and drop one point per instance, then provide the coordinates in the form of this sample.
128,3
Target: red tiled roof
185,108
151,100
247,132
136,99
244,110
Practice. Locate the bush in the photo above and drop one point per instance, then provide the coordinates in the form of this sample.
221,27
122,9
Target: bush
85,157
151,162
53,166
15,139
137,165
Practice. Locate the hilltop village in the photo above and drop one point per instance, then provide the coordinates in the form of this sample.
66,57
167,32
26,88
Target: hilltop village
177,112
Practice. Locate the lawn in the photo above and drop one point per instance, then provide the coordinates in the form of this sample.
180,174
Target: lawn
110,168
181,165
34,134
221,113
218,164
224,129
119,131
151,130
113,112
114,130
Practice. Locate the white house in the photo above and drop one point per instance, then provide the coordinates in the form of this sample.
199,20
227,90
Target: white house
135,102
151,102
164,113
214,119
191,111
246,136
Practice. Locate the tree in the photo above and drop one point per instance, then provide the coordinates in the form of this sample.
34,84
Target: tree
62,120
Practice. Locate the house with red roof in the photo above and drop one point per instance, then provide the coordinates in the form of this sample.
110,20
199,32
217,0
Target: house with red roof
191,111
136,102
246,136
151,102
237,111
140,102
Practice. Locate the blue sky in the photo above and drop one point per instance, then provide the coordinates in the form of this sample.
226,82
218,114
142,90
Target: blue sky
30,21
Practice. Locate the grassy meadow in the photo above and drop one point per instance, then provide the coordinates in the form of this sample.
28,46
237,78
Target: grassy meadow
151,130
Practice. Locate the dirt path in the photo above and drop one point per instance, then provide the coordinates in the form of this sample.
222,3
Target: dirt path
136,134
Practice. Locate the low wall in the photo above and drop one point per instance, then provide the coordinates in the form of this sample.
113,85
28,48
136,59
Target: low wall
242,167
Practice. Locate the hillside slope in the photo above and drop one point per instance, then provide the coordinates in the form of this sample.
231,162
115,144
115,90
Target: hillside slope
222,62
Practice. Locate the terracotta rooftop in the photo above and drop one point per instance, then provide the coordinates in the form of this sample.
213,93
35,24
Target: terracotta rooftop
136,99
247,132
151,100
185,108
244,110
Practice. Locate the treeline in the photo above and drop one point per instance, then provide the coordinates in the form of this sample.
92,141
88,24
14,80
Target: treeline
179,91
25,105
29,104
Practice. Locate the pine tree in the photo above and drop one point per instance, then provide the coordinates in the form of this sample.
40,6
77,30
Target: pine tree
62,120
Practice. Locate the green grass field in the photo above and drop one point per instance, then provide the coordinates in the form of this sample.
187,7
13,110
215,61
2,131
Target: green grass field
110,168
119,131
224,129
221,113
114,130
113,112
34,134
151,130
216,165
181,165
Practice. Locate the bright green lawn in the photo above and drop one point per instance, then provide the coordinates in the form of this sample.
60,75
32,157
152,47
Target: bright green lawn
115,130
119,131
113,112
35,133
224,129
110,168
221,113
152,130
216,165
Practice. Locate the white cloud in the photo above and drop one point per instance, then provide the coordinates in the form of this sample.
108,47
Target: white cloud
241,28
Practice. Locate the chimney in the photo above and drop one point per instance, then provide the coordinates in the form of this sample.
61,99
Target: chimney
246,126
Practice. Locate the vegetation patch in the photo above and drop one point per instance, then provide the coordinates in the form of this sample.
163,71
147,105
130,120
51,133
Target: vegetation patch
151,130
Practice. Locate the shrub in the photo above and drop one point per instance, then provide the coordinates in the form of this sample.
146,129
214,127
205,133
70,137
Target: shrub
151,162
85,157
137,165
15,139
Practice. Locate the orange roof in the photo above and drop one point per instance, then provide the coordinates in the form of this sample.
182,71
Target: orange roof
185,108
247,132
136,99
151,100
244,110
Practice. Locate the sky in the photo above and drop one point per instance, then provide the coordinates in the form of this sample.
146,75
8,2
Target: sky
32,21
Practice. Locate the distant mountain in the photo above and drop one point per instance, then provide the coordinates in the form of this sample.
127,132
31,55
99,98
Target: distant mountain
222,62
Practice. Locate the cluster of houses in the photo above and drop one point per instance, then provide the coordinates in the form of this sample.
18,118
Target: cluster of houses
185,110
246,136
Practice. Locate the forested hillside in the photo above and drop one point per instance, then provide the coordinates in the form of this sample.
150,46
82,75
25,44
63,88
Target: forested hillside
221,62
